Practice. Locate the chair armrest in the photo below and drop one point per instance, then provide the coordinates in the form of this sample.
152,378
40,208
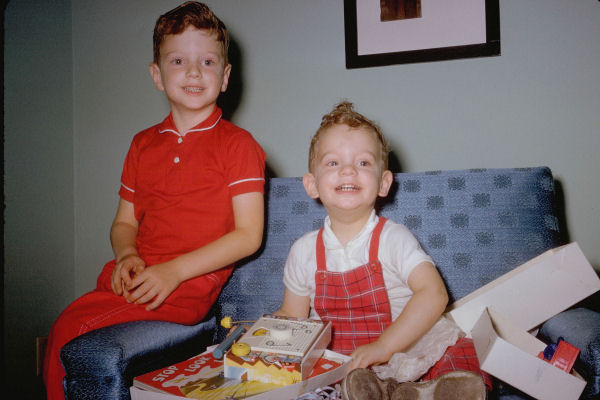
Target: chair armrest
101,364
581,328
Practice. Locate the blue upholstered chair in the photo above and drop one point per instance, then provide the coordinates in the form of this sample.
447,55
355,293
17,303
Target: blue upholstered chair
476,224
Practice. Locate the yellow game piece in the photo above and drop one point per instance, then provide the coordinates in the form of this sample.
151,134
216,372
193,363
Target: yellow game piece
260,332
226,322
240,349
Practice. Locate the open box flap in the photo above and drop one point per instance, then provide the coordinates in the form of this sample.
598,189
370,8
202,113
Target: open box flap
533,292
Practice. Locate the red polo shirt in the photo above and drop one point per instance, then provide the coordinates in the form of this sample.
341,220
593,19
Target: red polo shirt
182,184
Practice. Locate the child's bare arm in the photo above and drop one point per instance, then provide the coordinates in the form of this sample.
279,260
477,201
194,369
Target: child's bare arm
420,313
156,283
123,233
294,305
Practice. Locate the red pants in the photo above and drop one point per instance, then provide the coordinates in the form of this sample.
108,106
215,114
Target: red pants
461,356
187,305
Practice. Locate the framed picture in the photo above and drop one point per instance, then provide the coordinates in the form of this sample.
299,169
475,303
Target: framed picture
386,32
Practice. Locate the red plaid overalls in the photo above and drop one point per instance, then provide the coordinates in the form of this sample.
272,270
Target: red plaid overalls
357,304
356,301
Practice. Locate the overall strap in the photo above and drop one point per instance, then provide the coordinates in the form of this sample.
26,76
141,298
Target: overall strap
321,261
373,248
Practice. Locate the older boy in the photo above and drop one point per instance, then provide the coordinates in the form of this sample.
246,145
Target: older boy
366,275
191,196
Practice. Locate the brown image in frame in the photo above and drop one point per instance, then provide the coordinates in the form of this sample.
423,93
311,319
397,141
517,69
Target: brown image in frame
392,10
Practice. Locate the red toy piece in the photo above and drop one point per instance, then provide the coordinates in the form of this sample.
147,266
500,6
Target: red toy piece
565,355
561,355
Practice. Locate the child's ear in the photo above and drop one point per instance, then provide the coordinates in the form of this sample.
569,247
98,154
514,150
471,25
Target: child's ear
310,185
386,182
226,74
156,77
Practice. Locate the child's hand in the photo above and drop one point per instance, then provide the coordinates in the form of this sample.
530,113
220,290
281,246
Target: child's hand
369,354
123,273
153,284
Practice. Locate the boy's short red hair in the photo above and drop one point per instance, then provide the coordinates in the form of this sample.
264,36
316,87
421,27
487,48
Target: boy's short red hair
344,114
189,13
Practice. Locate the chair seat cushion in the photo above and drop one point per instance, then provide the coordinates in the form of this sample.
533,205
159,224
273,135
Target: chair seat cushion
102,363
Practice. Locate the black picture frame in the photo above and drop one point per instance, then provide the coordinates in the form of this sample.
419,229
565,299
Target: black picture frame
491,46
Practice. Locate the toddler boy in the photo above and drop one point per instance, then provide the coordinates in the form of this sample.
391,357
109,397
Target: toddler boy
370,277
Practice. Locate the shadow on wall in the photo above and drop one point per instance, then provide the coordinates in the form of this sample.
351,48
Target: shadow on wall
232,98
560,207
394,163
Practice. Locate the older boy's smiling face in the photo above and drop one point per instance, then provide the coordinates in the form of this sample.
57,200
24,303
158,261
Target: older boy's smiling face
192,72
348,170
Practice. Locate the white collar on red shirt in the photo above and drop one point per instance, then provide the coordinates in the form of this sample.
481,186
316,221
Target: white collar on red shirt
168,125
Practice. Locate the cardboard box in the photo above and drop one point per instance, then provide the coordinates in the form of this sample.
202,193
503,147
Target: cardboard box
282,393
510,354
533,292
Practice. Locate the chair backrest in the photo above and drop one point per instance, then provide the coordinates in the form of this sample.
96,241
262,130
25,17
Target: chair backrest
475,224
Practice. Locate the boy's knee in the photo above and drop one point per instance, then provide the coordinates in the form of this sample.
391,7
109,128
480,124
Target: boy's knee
94,367
92,355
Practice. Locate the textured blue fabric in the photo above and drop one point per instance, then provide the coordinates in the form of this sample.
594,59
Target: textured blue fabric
101,364
477,224
581,328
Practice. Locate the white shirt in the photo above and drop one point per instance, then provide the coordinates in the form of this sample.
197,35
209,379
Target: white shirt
399,254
